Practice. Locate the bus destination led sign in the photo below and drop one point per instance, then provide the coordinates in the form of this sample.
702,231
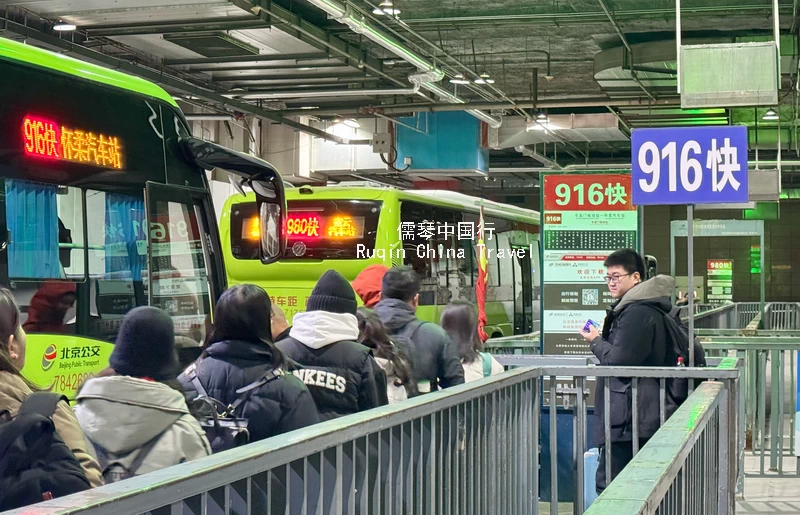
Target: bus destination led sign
47,139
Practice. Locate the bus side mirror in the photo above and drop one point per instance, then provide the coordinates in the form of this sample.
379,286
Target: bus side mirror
271,203
651,266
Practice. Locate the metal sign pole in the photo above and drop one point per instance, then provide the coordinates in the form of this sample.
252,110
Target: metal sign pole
690,289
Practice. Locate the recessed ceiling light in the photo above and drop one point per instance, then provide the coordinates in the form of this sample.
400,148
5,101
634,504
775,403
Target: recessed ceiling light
64,27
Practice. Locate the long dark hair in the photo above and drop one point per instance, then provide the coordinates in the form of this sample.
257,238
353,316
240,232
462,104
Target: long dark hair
460,322
9,325
243,313
372,334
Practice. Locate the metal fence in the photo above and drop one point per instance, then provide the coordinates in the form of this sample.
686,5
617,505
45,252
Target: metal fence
684,468
472,449
769,387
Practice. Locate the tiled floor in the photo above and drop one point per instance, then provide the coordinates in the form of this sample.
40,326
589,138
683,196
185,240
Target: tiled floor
771,494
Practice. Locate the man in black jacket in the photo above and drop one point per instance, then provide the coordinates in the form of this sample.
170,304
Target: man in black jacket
634,334
340,373
435,361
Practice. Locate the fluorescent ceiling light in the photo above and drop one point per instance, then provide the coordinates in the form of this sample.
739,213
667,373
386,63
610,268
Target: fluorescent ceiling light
64,27
459,79
484,79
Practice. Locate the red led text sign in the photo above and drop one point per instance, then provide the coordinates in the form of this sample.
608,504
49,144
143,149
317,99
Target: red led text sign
601,192
303,225
48,139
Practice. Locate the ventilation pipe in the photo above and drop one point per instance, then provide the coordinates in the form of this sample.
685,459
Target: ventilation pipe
331,94
360,26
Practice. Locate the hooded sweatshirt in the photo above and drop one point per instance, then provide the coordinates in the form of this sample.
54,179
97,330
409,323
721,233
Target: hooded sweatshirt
340,373
434,358
122,414
634,334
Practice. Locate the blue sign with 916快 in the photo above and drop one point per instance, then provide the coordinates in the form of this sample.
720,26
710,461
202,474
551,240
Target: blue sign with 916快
692,165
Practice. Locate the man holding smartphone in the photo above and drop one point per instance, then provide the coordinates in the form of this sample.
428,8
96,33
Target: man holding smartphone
634,334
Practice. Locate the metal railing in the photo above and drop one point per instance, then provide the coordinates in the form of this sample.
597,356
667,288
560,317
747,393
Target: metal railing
769,388
472,449
684,468
782,316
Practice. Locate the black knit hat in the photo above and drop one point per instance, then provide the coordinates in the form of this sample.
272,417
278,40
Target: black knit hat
145,345
332,294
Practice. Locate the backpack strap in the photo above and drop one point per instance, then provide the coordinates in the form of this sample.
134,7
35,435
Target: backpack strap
41,403
105,462
191,373
417,323
245,391
487,363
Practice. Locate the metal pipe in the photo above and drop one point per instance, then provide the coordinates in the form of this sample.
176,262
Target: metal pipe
678,40
617,28
432,108
328,93
199,117
340,13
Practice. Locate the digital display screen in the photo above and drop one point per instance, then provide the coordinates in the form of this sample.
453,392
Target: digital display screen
312,226
48,139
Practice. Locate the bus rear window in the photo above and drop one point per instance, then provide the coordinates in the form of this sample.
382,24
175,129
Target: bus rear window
316,229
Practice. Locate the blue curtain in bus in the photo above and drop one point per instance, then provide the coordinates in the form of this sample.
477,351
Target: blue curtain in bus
32,218
125,238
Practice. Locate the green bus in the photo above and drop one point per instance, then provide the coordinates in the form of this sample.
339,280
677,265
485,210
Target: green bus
349,228
105,206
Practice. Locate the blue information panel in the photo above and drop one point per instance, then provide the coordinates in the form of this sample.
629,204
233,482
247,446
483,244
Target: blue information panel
693,165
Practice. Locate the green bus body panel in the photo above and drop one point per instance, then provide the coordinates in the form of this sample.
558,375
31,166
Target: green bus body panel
20,52
289,282
61,363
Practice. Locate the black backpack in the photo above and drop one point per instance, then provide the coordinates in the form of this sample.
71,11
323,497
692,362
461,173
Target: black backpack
223,428
678,335
35,463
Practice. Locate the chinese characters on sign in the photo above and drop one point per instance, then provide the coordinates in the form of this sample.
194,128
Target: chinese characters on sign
698,165
43,138
586,217
720,281
426,230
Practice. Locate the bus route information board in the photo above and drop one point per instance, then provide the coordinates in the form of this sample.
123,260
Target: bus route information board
586,218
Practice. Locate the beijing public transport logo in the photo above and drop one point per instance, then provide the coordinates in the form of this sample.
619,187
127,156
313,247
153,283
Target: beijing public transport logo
49,357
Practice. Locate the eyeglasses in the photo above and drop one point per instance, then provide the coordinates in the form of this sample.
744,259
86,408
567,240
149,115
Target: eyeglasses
614,279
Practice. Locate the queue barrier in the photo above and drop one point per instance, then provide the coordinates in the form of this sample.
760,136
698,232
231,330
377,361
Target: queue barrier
471,449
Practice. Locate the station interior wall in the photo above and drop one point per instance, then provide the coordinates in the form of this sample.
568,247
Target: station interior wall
781,239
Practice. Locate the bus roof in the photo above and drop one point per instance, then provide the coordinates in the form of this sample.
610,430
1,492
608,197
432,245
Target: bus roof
15,51
442,198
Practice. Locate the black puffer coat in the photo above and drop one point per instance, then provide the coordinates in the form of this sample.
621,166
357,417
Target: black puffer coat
635,334
279,406
340,373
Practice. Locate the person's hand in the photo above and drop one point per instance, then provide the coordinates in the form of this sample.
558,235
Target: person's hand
591,334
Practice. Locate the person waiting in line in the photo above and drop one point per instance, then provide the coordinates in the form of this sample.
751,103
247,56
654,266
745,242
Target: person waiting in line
341,374
460,321
435,359
391,357
368,284
634,334
239,352
279,325
134,412
14,388
49,306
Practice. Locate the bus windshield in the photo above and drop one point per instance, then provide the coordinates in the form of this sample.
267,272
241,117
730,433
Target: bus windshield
315,229
74,169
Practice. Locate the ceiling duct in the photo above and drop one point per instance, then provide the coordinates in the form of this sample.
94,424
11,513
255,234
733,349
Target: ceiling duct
418,79
360,25
599,127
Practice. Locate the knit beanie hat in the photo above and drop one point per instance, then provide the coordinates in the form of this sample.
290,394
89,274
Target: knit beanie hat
332,294
145,345
367,284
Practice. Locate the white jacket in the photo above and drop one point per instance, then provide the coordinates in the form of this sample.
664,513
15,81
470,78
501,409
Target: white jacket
394,392
121,414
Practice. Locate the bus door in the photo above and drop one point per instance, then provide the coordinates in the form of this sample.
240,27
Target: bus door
184,278
523,301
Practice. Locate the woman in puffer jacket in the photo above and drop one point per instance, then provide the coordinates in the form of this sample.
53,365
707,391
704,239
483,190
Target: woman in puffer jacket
14,388
239,352
136,420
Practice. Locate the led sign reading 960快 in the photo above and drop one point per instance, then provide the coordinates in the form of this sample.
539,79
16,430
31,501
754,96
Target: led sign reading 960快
48,139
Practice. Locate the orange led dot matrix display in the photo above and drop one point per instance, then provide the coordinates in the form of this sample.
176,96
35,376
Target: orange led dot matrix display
303,225
342,227
45,138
